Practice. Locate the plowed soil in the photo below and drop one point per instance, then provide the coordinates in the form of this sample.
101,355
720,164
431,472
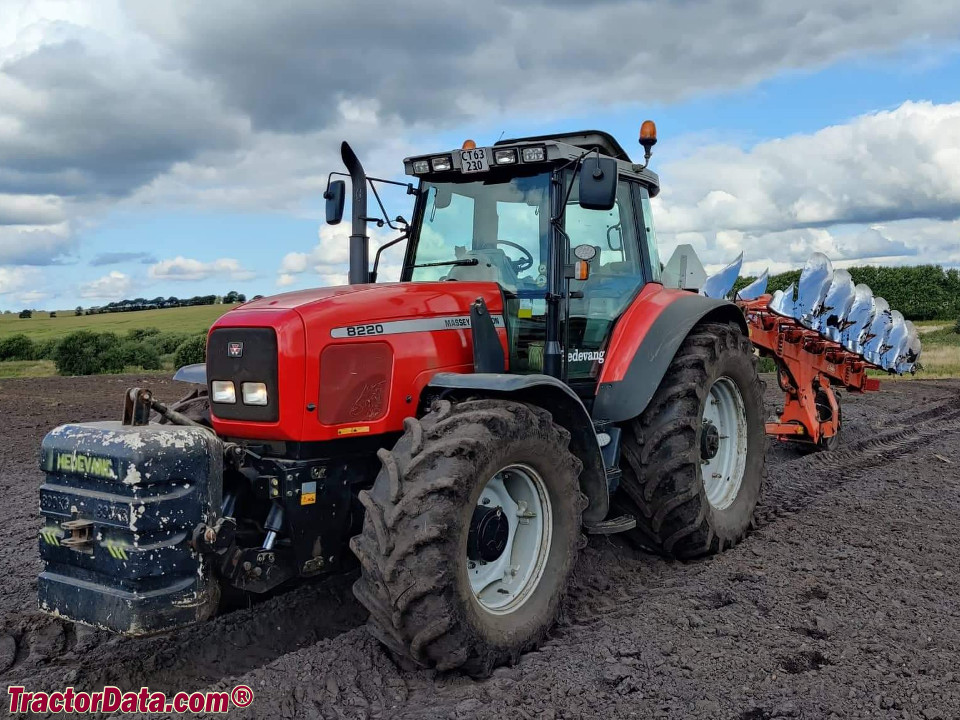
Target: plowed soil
844,603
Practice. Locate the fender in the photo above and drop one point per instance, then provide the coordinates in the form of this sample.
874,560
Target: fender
644,342
196,374
567,410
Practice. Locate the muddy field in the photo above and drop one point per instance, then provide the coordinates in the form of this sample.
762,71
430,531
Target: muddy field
845,603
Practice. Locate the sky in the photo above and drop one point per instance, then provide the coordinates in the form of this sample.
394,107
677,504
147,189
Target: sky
182,148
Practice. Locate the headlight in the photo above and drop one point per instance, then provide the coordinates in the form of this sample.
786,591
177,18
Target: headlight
505,157
534,154
254,393
223,392
421,166
442,163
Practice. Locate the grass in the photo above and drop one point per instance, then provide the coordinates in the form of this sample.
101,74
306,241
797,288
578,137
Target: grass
940,358
181,320
27,368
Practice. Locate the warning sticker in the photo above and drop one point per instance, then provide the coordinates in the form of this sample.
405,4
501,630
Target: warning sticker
308,493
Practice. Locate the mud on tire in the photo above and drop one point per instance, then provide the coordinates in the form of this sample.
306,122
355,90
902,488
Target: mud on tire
413,548
662,475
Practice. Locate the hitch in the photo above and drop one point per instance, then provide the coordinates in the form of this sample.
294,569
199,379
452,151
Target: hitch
137,404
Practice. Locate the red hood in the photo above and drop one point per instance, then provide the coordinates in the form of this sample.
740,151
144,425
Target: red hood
381,301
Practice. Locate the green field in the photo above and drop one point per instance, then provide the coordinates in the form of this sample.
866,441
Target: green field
940,358
180,320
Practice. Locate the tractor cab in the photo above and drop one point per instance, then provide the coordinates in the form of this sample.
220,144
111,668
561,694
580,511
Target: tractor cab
561,224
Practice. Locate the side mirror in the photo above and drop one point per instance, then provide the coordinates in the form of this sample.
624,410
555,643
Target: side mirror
598,183
334,196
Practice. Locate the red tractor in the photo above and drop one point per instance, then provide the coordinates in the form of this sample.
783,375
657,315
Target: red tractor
459,431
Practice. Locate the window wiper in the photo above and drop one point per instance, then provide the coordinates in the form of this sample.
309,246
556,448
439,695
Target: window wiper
470,261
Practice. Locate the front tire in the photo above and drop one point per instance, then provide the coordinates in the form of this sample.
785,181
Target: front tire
470,482
695,459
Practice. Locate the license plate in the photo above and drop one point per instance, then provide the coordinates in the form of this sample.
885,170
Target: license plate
474,161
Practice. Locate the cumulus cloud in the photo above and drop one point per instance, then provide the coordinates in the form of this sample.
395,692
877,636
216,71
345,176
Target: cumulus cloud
426,62
188,269
329,259
787,198
35,245
15,279
31,209
113,286
115,258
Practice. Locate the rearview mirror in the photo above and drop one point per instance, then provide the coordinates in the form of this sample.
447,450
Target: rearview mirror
334,196
598,183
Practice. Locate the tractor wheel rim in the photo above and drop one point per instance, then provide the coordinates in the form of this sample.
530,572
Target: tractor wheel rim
502,586
723,473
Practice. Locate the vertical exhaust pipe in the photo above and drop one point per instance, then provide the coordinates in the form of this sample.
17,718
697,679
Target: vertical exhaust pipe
359,241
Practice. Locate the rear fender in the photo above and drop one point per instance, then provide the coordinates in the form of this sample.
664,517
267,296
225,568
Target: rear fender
644,343
567,410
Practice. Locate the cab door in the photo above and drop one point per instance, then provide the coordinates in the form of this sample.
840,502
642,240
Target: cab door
620,268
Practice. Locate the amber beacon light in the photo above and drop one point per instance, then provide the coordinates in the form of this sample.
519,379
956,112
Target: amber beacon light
648,138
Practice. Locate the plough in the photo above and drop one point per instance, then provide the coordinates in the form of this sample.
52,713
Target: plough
825,335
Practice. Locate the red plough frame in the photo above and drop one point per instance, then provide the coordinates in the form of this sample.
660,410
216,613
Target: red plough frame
808,366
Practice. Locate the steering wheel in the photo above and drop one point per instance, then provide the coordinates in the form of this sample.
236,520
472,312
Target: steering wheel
524,263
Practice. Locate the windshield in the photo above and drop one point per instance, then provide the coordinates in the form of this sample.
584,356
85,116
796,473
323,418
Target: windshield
493,230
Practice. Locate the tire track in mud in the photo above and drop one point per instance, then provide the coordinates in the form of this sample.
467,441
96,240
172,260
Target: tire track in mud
815,475
226,646
306,649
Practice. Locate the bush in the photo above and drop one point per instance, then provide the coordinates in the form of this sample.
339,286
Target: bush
141,354
26,314
139,334
17,347
167,343
192,351
45,349
87,353
956,326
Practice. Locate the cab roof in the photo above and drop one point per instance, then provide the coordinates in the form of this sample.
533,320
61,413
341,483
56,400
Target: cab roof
584,139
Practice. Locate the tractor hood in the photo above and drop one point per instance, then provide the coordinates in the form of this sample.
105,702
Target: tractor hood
381,301
343,361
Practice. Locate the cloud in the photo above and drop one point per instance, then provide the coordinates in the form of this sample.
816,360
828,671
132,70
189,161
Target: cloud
116,258
187,269
88,117
786,198
18,287
428,62
35,245
330,258
872,243
30,209
113,286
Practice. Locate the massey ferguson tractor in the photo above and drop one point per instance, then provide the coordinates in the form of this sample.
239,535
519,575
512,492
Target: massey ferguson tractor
456,433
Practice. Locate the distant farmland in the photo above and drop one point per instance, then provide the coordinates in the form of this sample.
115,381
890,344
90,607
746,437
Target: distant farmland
178,320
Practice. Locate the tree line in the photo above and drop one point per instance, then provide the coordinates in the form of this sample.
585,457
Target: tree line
156,303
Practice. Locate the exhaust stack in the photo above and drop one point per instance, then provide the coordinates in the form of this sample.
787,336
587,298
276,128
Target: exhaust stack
359,241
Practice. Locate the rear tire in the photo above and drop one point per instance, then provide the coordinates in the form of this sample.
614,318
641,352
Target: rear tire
416,578
667,448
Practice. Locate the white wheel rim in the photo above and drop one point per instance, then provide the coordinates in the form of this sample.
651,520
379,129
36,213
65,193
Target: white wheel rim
502,586
723,473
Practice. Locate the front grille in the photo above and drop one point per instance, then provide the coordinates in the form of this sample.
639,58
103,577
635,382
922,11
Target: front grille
355,382
244,355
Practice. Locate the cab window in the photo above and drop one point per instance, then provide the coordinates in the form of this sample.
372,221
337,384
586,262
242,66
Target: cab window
616,274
